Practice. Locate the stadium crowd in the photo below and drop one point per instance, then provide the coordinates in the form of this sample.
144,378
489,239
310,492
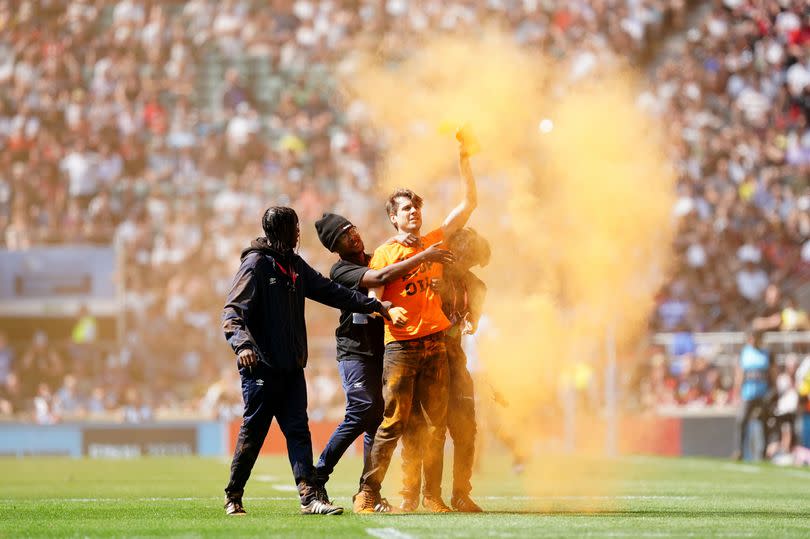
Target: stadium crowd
165,128
737,97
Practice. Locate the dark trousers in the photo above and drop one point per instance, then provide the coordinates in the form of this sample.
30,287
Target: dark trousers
747,412
460,424
362,383
268,394
414,372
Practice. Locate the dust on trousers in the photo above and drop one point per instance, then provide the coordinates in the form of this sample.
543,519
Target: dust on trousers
413,371
460,425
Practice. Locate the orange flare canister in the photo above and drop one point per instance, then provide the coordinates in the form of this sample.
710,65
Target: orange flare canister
468,140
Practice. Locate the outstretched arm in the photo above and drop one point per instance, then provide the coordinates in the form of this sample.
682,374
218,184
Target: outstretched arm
397,315
374,278
461,213
767,323
328,292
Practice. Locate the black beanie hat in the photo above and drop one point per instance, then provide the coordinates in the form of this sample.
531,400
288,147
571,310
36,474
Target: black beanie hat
330,227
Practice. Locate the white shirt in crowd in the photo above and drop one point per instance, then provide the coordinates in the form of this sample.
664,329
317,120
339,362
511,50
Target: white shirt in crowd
242,125
81,176
752,283
749,253
788,400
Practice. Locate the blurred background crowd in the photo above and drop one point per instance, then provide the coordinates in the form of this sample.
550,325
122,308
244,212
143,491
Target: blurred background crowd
165,128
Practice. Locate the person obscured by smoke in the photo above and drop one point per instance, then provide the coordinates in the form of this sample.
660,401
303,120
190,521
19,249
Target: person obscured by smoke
462,296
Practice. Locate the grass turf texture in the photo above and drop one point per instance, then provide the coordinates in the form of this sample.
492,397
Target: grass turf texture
642,497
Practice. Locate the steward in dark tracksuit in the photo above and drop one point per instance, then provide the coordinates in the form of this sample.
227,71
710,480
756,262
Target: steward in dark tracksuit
359,353
264,313
359,338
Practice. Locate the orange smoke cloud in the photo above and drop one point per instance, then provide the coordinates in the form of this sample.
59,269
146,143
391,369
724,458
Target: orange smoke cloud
575,197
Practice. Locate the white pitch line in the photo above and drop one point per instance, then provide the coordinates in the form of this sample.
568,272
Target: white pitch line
150,499
795,473
665,534
265,478
618,497
737,467
285,488
291,488
388,533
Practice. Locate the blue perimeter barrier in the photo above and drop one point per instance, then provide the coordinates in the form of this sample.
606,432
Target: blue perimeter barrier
116,440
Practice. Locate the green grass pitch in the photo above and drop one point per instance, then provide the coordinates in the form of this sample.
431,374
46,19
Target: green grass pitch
182,497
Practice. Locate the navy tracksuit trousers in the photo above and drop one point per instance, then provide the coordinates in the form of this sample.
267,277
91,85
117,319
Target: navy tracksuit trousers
362,383
267,394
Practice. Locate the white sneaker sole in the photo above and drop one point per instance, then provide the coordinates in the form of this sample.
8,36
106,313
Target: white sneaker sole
307,510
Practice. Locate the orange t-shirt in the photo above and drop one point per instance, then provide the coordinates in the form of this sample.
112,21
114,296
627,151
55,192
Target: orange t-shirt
413,291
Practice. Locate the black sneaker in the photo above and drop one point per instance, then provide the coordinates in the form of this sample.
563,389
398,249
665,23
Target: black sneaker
464,504
234,507
321,495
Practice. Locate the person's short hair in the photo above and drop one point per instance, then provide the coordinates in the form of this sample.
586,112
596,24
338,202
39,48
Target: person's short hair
392,205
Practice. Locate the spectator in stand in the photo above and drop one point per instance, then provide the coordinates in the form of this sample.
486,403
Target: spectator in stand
67,402
19,235
751,282
794,318
235,92
222,399
659,388
99,403
134,407
12,398
82,348
786,408
41,363
770,317
753,381
803,388
675,311
683,342
712,390
6,358
687,386
324,394
44,412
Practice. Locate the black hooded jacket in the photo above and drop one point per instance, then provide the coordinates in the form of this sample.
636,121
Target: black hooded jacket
265,307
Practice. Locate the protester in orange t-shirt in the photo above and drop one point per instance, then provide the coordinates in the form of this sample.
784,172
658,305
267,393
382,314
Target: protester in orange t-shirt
413,291
415,361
